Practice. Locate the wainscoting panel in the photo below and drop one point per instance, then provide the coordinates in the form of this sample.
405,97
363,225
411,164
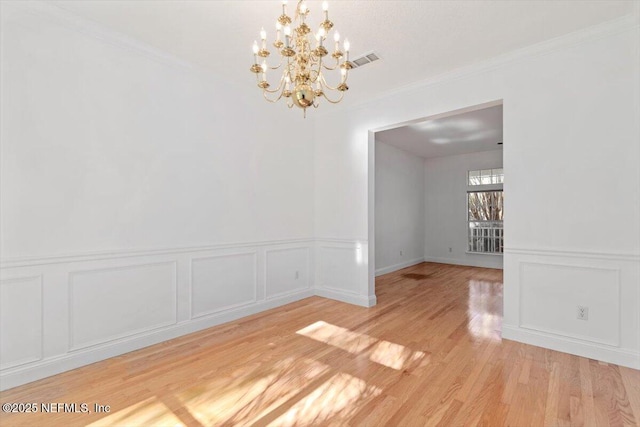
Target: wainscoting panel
287,271
551,293
542,292
101,304
338,266
342,271
113,303
21,328
222,282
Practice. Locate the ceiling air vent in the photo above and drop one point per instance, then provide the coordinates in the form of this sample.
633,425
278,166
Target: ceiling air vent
364,59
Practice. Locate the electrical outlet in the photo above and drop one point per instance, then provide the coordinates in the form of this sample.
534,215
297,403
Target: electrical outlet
297,275
583,313
450,249
400,253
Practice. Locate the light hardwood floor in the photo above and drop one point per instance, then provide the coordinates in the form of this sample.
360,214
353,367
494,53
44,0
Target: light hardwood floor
429,353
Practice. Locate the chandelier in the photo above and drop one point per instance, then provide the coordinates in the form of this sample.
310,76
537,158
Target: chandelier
303,59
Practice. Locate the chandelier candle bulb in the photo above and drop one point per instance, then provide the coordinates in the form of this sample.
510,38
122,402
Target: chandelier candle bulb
302,82
320,36
287,35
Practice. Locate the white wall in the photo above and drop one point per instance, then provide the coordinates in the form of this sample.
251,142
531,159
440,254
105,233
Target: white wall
142,198
573,218
446,208
104,145
133,183
400,209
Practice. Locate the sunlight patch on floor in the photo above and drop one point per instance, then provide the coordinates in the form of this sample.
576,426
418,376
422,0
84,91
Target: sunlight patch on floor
149,412
394,356
336,336
386,353
251,392
336,400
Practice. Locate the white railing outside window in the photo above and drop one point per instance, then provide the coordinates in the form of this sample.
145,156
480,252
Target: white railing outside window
486,236
485,210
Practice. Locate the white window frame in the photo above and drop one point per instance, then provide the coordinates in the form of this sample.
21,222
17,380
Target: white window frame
492,233
495,176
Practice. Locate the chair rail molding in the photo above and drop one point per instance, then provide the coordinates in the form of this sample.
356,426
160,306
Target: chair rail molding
102,304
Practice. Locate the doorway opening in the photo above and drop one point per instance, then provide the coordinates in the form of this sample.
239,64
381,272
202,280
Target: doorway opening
436,191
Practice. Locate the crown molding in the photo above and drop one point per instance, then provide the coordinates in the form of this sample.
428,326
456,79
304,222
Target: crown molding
87,27
606,29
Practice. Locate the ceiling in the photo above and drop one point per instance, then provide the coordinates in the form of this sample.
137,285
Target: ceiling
415,39
469,132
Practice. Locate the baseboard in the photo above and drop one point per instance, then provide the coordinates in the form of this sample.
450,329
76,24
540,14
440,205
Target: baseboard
456,261
55,365
334,294
590,350
396,267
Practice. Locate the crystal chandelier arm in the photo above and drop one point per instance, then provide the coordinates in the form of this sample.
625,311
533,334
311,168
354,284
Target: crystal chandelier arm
333,101
324,83
273,101
278,89
303,68
314,75
334,67
278,66
297,14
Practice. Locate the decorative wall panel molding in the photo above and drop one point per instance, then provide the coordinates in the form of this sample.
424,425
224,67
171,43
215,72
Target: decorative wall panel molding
338,266
574,254
222,282
545,288
114,254
342,269
286,271
551,292
112,303
104,304
21,321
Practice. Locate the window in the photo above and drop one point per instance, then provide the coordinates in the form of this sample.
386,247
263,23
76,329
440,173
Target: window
485,211
486,177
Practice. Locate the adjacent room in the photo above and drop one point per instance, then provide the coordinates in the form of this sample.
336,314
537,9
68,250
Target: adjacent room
309,213
439,191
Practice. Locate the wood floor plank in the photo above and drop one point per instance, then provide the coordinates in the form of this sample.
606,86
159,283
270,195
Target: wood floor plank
631,380
430,353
